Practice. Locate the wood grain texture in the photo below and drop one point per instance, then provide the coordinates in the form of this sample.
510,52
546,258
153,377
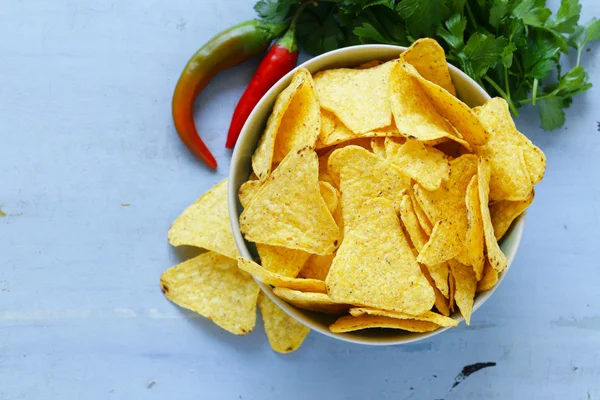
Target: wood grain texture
85,128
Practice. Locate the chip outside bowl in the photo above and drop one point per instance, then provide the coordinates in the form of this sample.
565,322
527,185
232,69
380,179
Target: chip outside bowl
467,90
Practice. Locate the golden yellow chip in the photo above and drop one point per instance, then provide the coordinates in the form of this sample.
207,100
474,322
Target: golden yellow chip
451,291
516,164
295,123
489,279
425,164
350,324
327,123
363,176
495,255
429,316
212,286
441,302
247,191
474,238
318,302
428,58
452,109
424,221
414,113
375,265
417,235
271,278
206,224
504,212
341,135
289,210
285,334
369,64
439,273
317,267
358,97
464,293
446,206
378,146
330,195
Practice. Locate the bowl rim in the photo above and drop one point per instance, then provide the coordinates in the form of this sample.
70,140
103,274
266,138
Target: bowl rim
516,230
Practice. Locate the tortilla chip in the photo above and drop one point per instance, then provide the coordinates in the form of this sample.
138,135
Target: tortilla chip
414,113
270,278
375,265
427,316
425,164
206,224
281,260
417,235
358,97
318,302
330,195
378,146
285,334
362,176
327,123
262,159
446,206
350,323
289,211
451,291
474,238
247,191
466,283
494,253
511,176
504,212
341,134
317,267
429,59
369,64
489,279
424,221
212,286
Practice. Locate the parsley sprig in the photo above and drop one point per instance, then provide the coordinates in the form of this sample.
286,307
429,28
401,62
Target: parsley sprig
512,48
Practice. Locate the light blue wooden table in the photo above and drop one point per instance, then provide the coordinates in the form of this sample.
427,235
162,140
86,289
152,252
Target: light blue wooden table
92,174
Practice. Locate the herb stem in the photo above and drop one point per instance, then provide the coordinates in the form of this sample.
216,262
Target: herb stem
534,91
579,55
471,16
502,93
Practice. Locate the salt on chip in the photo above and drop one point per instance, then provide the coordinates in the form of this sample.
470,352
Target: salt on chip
289,210
428,58
212,286
375,265
362,176
489,279
425,164
358,97
494,253
350,324
271,278
474,238
318,302
446,206
511,177
285,334
414,113
206,224
466,284
429,316
294,123
504,212
317,267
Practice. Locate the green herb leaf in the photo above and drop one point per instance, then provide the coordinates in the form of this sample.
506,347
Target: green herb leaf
577,38
539,57
422,17
567,16
507,55
481,53
551,113
367,34
592,31
499,10
274,10
532,12
456,25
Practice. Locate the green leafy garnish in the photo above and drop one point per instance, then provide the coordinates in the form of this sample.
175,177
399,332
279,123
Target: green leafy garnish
512,48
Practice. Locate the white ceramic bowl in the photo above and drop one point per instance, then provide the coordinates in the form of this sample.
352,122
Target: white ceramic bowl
468,91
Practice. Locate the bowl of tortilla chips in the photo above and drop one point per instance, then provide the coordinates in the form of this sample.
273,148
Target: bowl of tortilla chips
377,193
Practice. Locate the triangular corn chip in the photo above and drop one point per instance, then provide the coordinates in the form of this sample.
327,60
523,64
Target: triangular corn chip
317,267
289,210
428,57
357,97
206,224
318,302
285,130
212,286
489,279
350,323
427,316
285,334
504,212
425,164
466,283
474,238
424,220
376,267
362,176
378,146
441,302
495,255
274,279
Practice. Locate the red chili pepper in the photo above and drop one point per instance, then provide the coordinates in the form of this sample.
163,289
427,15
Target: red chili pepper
227,49
280,60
